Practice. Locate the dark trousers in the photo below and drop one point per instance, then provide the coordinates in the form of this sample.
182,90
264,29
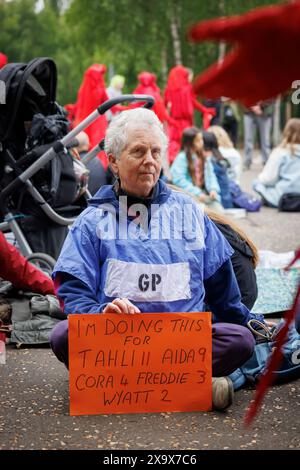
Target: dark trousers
232,346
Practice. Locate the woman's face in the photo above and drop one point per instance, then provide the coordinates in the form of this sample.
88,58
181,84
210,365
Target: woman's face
140,162
198,144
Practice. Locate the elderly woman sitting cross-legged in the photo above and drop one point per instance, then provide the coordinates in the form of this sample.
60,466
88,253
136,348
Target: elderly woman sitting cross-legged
99,268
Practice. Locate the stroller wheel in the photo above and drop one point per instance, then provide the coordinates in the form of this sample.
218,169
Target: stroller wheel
42,261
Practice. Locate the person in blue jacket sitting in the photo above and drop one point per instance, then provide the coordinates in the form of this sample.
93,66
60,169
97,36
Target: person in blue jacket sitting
127,231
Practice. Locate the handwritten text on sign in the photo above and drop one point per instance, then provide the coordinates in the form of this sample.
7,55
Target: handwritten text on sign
140,363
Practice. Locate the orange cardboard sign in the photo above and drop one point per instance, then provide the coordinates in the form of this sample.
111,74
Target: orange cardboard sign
140,363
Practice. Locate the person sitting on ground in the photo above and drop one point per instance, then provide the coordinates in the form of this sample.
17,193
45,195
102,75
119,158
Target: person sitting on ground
98,271
220,166
244,259
281,173
193,171
229,152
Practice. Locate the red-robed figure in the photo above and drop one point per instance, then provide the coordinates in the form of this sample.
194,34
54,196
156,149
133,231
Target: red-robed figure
92,94
148,86
3,60
181,103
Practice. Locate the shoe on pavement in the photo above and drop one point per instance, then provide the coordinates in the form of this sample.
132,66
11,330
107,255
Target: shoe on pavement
222,393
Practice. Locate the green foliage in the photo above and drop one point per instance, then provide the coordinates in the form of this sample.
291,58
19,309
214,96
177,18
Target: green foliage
127,35
25,34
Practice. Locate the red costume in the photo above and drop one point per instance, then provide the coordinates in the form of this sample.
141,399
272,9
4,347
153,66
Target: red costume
264,61
91,94
71,110
22,274
180,97
148,86
3,60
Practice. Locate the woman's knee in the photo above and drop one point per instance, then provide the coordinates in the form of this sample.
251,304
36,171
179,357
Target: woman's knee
234,343
242,343
59,337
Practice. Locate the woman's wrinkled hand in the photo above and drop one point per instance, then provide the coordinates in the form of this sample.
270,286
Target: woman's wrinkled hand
121,306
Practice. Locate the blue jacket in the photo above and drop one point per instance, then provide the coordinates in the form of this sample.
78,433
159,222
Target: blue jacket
182,178
170,269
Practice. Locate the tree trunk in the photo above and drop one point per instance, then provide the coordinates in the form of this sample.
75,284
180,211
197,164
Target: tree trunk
222,52
175,35
222,45
164,64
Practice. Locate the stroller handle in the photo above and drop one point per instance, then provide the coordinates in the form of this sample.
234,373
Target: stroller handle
126,98
68,139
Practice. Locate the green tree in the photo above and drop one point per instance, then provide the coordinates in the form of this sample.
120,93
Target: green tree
127,35
26,34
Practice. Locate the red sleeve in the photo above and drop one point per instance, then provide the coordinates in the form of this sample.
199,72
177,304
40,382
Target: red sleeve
22,274
198,105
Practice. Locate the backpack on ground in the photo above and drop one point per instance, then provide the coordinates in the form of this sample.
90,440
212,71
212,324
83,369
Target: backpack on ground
250,373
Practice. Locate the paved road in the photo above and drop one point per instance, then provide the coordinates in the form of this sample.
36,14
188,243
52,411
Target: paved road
34,415
34,394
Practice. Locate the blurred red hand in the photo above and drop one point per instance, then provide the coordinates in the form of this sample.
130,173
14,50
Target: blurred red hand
264,61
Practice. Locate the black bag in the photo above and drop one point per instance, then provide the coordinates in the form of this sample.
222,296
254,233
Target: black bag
57,180
289,202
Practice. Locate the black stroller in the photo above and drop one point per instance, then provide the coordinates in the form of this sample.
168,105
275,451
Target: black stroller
38,187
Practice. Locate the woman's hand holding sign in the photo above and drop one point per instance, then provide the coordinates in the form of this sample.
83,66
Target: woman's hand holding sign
121,306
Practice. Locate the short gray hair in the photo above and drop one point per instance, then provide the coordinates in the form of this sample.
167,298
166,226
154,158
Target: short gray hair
140,118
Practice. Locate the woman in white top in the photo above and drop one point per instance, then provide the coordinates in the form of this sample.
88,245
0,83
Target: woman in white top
281,173
228,151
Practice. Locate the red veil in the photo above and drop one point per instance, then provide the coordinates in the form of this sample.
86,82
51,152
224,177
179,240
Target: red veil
179,94
148,86
180,97
3,60
91,94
